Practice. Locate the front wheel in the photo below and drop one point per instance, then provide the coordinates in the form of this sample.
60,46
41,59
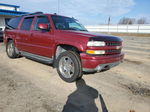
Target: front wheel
69,66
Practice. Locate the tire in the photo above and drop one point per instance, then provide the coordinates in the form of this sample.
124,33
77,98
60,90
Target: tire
10,50
68,66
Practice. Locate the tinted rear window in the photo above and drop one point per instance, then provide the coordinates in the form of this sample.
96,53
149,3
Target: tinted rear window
13,23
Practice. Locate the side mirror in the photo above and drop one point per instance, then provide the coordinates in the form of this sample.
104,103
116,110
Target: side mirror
43,27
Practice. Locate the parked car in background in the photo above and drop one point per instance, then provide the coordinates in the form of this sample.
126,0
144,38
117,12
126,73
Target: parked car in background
1,35
63,42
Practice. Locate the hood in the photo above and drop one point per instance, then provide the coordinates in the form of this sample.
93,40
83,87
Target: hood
91,35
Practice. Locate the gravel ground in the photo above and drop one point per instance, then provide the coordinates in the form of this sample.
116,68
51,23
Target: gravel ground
29,86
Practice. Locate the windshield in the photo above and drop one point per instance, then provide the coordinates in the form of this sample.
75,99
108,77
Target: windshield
66,23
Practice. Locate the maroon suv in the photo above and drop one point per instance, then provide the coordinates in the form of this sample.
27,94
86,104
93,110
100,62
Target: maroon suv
63,42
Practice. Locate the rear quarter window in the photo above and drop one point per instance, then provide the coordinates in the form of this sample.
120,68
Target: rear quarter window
13,23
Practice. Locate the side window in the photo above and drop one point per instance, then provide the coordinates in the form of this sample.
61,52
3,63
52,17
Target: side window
41,19
27,23
13,23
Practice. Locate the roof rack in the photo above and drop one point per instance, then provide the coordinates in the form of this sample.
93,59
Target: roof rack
32,13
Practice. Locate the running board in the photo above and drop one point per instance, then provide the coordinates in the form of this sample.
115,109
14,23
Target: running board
37,57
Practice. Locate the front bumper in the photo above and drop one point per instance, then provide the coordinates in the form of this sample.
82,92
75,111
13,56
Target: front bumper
98,63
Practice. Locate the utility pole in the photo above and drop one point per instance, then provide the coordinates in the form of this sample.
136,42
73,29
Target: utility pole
109,19
108,23
58,8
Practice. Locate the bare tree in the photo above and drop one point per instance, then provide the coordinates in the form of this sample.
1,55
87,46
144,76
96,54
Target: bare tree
142,21
127,21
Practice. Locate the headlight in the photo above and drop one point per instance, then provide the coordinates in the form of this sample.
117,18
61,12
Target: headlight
96,43
95,51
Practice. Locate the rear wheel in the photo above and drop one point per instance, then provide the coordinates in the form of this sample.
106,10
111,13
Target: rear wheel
69,66
10,50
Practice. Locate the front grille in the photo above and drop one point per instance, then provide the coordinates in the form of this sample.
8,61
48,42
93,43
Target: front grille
113,43
113,51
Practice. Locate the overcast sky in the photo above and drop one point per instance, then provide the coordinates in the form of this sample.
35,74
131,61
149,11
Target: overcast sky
89,12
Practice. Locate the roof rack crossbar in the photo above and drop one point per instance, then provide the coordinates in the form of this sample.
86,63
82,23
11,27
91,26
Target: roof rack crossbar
32,13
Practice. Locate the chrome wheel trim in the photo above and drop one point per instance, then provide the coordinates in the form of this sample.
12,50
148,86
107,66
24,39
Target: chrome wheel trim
10,49
66,67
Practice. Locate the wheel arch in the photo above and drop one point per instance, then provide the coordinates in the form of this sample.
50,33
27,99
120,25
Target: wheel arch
64,47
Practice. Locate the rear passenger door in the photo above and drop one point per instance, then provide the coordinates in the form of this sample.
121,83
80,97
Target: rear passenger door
41,41
24,34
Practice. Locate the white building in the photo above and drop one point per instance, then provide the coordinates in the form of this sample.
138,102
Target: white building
8,11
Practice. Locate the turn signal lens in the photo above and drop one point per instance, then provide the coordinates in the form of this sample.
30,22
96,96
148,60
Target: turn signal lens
95,52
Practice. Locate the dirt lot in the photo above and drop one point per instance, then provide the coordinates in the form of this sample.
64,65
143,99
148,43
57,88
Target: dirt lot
29,86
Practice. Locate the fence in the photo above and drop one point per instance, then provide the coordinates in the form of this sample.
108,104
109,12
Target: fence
120,28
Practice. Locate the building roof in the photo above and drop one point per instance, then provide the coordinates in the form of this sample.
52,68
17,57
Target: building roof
11,12
9,5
